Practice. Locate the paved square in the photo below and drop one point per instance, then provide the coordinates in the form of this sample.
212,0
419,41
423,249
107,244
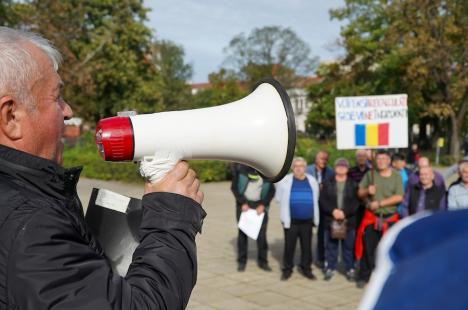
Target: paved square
219,284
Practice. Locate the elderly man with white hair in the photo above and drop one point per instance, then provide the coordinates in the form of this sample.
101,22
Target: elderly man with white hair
49,259
458,193
297,195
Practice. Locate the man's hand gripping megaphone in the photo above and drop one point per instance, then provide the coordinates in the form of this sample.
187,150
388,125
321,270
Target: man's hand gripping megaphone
165,172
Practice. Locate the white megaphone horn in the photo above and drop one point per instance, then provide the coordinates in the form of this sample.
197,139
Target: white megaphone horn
258,130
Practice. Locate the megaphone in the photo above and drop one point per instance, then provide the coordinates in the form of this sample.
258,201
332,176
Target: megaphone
258,130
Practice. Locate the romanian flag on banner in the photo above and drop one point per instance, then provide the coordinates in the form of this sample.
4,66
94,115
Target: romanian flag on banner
371,134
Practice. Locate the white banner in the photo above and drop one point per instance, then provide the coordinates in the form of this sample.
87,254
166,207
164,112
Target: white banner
371,122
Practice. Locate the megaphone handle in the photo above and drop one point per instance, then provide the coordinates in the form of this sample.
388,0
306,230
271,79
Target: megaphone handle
154,168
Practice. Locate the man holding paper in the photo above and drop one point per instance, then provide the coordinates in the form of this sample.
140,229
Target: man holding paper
252,192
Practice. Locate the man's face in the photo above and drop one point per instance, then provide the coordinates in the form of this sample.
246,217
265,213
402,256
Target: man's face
426,176
45,124
361,158
299,169
399,164
383,161
464,175
341,170
321,160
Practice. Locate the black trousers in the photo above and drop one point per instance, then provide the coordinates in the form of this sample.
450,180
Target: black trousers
262,244
303,232
370,239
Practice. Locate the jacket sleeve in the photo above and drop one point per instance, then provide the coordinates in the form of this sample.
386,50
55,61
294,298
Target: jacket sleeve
352,203
279,187
326,206
404,207
53,266
316,191
269,196
240,198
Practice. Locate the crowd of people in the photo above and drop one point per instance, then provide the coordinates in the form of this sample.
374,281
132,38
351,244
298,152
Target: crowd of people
351,207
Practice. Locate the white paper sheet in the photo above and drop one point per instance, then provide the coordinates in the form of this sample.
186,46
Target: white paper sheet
111,200
250,223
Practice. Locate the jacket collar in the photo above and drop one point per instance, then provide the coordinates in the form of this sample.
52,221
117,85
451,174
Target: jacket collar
420,187
41,174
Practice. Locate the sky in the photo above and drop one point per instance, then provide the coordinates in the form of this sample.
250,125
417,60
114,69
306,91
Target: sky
205,27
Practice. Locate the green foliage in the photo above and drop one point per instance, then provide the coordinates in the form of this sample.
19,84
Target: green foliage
271,51
169,61
308,148
408,46
106,49
210,170
224,88
85,154
448,160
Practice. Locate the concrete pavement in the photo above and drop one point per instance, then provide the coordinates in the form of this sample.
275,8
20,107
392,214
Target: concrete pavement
219,284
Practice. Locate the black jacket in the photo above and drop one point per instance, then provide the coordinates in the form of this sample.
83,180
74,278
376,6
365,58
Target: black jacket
434,197
50,260
240,182
328,201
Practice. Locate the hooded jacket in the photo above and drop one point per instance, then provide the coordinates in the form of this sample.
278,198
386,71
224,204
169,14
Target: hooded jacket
50,260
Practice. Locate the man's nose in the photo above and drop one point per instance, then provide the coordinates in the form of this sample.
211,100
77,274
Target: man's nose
67,111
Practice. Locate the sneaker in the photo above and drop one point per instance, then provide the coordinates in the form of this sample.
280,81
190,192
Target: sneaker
308,274
265,267
351,275
328,275
241,267
285,275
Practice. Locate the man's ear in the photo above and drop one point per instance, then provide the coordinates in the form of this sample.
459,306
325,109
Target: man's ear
10,118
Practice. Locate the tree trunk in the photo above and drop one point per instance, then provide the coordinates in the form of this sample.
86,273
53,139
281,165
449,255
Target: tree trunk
455,138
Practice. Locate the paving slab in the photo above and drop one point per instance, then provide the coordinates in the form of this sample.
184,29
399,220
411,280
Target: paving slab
220,286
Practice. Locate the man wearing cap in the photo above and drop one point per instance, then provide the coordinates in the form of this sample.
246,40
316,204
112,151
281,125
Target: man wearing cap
382,191
297,195
339,202
252,191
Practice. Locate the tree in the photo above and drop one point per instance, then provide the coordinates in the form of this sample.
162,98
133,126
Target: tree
106,49
224,88
169,61
270,51
412,46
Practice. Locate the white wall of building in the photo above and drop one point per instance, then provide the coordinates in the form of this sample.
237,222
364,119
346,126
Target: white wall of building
301,106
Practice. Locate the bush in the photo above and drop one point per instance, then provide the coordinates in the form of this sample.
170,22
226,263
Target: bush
448,160
307,148
85,154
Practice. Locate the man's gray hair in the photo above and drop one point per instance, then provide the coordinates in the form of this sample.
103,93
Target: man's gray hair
462,165
17,66
299,159
321,152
